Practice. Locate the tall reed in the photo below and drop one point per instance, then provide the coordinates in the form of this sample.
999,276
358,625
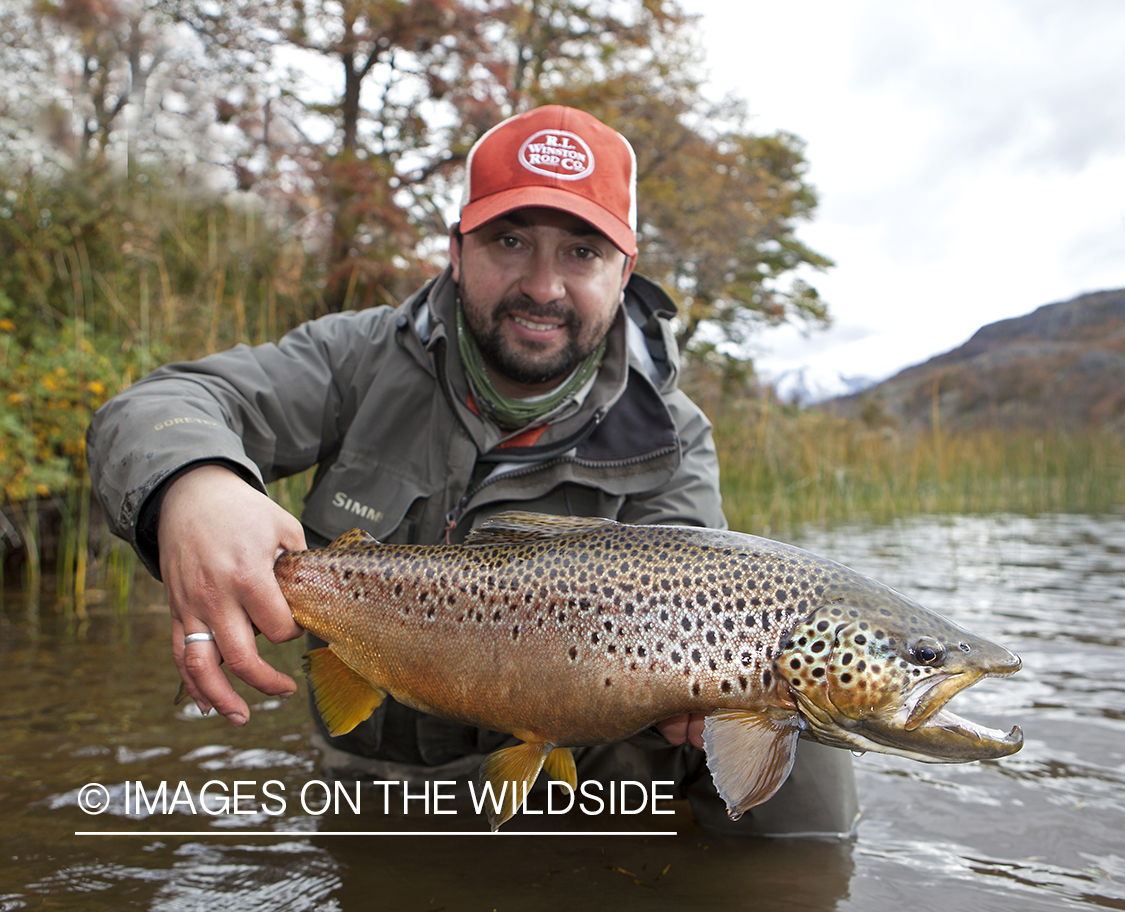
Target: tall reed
782,467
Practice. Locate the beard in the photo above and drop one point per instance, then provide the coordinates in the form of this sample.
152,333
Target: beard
523,360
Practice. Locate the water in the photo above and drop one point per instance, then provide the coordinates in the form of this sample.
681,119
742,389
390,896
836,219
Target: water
1042,830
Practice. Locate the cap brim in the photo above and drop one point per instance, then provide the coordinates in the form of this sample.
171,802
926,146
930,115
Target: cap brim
480,212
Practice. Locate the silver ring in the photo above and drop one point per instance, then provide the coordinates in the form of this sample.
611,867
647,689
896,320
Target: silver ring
199,637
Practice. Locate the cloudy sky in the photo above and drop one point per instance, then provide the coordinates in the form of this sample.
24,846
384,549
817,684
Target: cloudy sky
969,155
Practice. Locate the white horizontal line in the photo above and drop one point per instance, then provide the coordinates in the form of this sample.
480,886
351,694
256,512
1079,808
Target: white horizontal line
310,833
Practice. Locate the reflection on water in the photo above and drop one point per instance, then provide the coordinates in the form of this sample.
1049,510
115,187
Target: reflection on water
1044,829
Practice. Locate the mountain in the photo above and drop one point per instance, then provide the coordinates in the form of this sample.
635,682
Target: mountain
808,385
1061,366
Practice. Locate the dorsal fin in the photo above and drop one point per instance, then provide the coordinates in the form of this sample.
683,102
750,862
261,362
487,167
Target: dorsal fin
513,526
354,538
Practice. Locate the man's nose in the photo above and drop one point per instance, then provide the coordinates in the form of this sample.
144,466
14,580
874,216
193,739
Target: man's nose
542,280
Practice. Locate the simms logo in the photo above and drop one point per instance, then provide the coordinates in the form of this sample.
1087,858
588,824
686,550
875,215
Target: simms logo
557,153
344,502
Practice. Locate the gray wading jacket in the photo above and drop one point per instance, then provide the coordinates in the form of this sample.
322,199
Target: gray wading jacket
377,400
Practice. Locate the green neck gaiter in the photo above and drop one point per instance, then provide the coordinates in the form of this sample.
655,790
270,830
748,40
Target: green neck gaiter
516,413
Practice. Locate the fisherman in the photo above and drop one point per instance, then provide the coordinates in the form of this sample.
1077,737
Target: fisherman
537,372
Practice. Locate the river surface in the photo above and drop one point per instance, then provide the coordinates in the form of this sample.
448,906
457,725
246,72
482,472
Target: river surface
89,703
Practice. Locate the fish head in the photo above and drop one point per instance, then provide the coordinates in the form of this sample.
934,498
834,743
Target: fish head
873,670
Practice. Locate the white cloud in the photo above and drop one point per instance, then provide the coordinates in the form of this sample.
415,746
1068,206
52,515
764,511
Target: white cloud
970,158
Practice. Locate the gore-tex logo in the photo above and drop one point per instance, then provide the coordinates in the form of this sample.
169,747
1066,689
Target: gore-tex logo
557,153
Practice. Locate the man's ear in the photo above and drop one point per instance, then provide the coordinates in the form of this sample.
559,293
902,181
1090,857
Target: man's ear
626,273
455,251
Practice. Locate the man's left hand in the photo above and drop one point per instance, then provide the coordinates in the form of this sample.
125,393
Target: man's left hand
685,727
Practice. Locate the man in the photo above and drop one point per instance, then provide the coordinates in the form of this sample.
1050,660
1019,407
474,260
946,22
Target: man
537,371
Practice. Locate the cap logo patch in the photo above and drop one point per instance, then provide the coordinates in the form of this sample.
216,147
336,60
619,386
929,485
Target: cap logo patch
558,154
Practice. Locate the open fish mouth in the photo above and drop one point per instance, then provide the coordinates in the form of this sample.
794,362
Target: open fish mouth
924,729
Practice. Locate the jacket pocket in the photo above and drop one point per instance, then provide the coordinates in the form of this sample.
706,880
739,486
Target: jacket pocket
376,497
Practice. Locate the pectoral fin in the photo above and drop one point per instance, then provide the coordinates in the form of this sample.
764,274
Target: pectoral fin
750,755
560,767
512,767
342,695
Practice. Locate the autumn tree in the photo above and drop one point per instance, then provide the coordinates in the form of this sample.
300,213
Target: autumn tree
92,83
347,113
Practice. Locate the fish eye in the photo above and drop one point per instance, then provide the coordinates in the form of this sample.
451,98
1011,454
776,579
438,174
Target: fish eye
927,651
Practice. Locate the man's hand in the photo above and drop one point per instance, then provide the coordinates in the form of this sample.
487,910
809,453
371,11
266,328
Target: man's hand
686,727
218,539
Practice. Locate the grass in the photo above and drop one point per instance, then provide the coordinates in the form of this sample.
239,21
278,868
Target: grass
782,468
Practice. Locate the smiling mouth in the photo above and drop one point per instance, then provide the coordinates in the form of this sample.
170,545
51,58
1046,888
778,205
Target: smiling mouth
533,325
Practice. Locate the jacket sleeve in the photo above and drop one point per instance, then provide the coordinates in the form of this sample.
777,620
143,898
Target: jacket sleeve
692,496
266,412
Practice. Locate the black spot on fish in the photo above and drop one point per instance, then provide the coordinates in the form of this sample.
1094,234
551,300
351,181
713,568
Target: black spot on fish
728,625
608,682
795,664
818,646
725,687
766,678
573,652
675,657
695,656
861,665
497,616
695,689
846,678
860,639
516,632
711,637
818,672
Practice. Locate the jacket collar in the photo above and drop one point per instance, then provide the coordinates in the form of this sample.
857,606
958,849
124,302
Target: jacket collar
431,316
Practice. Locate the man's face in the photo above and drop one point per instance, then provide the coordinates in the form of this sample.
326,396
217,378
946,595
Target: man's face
539,290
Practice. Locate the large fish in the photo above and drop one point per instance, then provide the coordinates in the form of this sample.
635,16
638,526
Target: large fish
571,631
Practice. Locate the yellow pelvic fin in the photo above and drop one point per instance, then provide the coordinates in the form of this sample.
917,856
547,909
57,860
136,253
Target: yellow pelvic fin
513,527
750,755
342,695
560,766
512,767
353,538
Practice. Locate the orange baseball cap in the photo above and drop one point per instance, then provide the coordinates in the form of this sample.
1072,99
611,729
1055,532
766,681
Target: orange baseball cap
556,158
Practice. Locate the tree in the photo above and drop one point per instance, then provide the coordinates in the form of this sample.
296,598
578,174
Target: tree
364,157
92,83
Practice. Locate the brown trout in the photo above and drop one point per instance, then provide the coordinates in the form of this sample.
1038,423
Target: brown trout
569,631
